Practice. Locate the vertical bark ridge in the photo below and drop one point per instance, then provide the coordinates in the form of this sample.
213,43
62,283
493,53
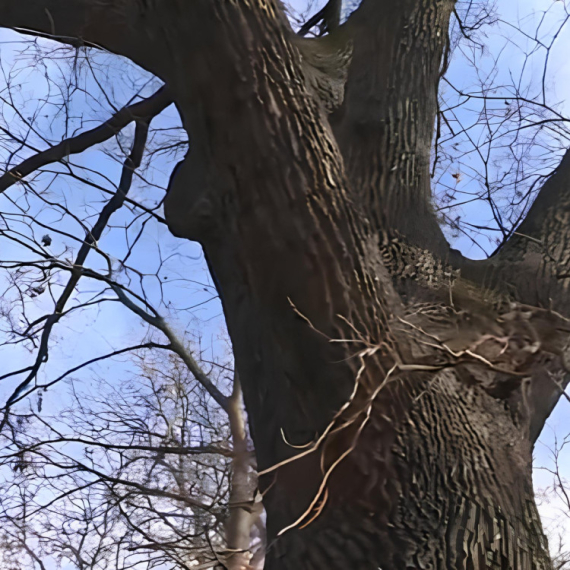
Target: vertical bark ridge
463,500
385,127
488,519
270,192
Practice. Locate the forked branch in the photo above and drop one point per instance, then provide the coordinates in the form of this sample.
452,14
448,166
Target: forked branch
141,110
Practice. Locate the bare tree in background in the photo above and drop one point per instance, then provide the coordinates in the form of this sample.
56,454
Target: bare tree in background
394,388
556,495
500,134
133,476
52,247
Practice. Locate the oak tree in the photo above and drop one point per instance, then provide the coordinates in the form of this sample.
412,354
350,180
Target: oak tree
394,388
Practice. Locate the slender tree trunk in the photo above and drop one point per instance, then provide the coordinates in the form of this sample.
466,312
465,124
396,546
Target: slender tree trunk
244,510
394,389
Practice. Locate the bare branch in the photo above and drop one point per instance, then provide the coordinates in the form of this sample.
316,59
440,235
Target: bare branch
132,162
176,345
138,112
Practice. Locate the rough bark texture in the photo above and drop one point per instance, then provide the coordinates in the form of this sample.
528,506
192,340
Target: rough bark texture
419,380
385,128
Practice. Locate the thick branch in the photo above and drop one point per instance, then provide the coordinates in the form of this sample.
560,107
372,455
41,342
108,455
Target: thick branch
103,23
533,268
328,18
385,126
539,255
546,231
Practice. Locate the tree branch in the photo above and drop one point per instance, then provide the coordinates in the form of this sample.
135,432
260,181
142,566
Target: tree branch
147,345
385,125
244,510
131,163
532,268
546,227
328,18
103,23
176,345
141,111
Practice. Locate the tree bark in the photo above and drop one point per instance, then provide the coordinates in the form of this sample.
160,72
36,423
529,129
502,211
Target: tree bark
387,380
385,127
533,268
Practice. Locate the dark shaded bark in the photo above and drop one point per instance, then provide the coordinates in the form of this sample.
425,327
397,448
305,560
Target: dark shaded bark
421,377
104,23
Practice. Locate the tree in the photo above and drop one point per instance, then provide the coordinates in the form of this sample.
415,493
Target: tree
557,492
132,476
394,388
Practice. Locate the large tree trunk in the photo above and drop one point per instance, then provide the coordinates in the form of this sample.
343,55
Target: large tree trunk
394,389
